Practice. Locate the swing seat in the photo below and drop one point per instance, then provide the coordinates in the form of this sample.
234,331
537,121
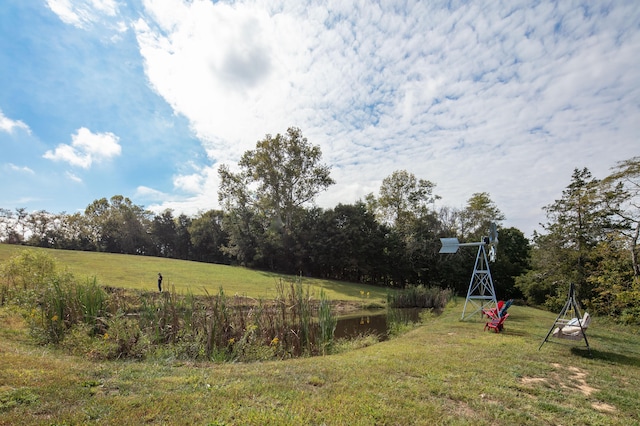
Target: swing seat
572,329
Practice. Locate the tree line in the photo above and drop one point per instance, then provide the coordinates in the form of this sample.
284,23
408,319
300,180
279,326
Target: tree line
268,220
348,242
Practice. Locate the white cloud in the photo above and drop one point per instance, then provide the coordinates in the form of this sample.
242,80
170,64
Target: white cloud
145,192
189,183
8,125
64,10
83,13
502,98
86,148
23,169
73,177
228,68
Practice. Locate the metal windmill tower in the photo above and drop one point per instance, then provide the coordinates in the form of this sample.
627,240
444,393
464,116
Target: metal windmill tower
481,294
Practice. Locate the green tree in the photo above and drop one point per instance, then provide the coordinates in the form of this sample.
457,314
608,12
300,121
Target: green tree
576,224
347,244
403,198
183,248
512,260
13,226
282,174
621,192
164,234
477,216
276,180
615,269
616,291
119,226
405,205
208,237
76,233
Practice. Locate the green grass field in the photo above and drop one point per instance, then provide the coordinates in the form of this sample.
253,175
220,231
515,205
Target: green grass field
444,372
140,272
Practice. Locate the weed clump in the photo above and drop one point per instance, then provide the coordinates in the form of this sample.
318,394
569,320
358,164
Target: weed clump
420,297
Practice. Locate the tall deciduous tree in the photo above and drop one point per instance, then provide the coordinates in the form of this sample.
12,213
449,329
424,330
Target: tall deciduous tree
477,216
512,261
263,199
163,233
208,237
405,205
119,226
40,224
7,226
403,198
282,174
347,244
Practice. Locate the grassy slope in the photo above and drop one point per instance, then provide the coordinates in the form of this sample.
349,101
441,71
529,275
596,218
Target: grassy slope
444,372
140,272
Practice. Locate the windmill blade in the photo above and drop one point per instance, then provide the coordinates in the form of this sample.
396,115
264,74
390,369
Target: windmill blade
449,245
493,233
493,239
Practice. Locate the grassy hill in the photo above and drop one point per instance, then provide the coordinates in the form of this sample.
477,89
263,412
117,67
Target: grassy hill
446,371
140,272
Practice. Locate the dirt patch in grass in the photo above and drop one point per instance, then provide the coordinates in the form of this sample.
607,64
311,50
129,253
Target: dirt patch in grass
575,380
603,407
462,409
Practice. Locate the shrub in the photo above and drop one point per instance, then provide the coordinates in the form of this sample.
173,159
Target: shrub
125,338
23,275
420,297
64,304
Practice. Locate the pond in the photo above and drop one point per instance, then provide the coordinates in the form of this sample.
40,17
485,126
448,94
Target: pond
375,322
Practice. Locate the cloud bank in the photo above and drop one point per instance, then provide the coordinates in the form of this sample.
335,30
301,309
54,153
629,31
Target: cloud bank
502,97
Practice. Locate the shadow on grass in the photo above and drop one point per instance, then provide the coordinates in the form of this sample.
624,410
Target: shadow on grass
612,357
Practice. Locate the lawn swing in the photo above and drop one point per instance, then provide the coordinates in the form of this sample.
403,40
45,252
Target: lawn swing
570,324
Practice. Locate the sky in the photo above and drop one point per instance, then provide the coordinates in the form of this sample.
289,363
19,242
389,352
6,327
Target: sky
147,98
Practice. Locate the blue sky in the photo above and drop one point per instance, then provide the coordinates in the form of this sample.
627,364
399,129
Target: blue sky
147,98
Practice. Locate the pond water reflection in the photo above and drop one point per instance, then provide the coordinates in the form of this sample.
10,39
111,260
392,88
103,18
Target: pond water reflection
375,322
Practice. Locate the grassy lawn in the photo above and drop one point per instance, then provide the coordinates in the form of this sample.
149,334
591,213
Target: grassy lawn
140,272
444,372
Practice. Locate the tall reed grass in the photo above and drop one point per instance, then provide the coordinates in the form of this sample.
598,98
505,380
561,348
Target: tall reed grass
63,304
326,322
420,297
137,324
